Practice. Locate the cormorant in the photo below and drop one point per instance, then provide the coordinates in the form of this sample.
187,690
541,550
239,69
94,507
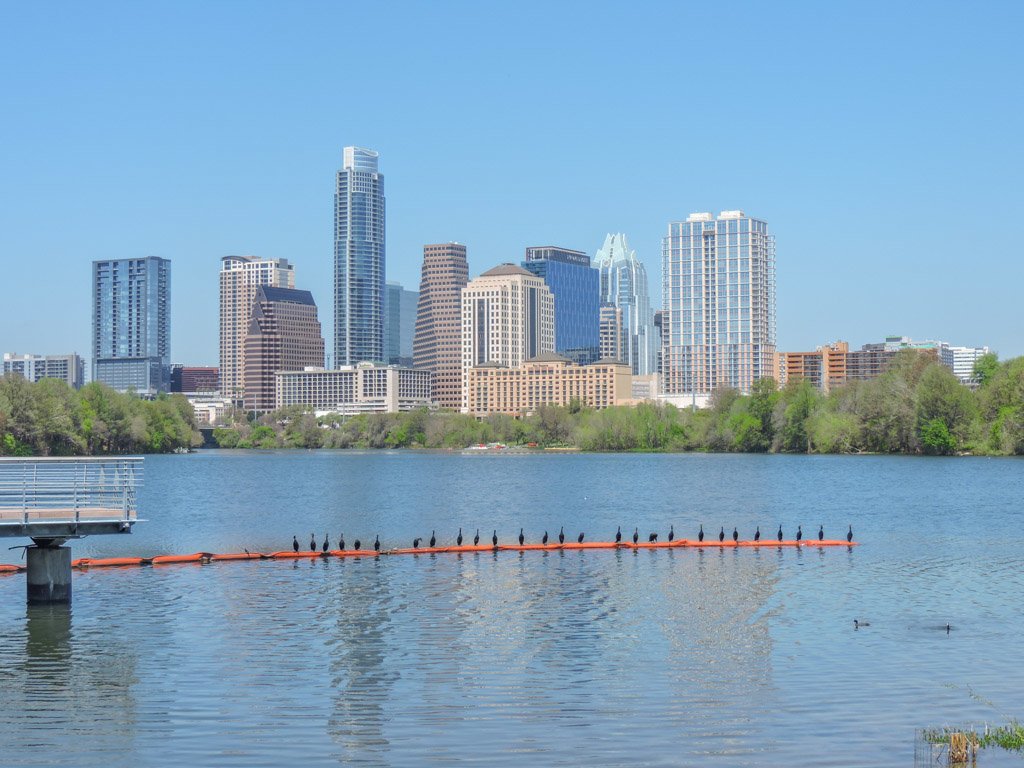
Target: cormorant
476,539
494,538
948,628
545,539
312,542
458,541
415,543
579,539
521,537
757,534
652,537
618,535
821,533
376,544
295,543
561,535
636,535
357,544
799,533
735,534
721,534
341,542
433,540
849,534
700,533
780,533
671,532
326,543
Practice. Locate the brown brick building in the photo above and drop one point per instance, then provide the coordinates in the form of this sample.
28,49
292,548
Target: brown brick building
437,344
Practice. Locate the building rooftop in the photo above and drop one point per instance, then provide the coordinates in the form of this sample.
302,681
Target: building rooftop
289,295
506,269
549,357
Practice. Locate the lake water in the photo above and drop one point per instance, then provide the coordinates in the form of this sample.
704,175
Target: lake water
592,657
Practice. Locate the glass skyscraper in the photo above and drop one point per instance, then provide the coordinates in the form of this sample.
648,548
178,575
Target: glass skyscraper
624,284
359,259
131,324
576,287
718,290
399,323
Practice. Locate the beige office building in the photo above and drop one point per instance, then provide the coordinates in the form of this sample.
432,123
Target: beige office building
437,342
508,317
355,389
240,276
547,380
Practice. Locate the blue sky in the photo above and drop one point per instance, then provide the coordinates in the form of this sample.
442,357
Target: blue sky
881,141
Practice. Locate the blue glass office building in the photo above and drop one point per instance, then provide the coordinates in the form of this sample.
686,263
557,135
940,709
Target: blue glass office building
576,287
131,324
359,260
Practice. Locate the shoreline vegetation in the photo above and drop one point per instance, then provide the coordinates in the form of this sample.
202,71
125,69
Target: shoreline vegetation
916,407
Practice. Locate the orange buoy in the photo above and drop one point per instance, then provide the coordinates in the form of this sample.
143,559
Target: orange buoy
240,556
293,555
108,562
196,557
353,553
11,568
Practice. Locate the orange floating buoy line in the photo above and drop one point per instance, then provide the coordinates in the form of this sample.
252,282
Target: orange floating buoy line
86,563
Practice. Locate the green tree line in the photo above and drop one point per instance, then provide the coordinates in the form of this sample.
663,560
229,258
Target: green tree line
917,407
49,418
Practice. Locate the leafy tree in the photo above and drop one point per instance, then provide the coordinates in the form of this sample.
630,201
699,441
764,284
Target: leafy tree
985,368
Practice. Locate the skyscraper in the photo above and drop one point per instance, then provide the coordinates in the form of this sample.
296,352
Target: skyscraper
437,345
131,324
240,277
576,287
624,284
508,317
284,335
399,323
67,368
359,259
611,332
719,297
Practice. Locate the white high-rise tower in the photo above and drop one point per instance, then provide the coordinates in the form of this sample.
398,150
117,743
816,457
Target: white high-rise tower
624,284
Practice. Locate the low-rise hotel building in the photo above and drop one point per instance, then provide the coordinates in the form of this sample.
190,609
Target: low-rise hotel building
547,380
355,389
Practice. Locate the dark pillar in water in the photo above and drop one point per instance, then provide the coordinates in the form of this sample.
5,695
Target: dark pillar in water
49,575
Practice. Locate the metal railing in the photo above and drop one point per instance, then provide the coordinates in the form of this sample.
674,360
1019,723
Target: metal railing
56,490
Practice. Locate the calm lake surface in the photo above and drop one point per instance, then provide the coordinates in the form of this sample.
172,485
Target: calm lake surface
658,657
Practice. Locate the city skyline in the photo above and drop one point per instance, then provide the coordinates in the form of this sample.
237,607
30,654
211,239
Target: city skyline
246,163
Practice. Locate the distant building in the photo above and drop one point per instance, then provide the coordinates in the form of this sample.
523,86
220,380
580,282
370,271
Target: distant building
284,335
399,323
645,387
210,410
508,317
359,259
437,344
67,368
240,276
576,287
825,368
659,324
624,284
351,390
546,380
718,293
131,324
611,332
194,380
961,361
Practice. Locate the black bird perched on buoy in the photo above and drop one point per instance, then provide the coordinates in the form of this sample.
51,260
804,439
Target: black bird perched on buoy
458,541
521,537
821,533
545,539
326,543
357,544
849,534
700,533
721,534
618,535
415,543
636,535
780,533
671,532
799,533
494,538
561,535
312,542
652,537
341,542
476,539
295,543
376,544
735,534
433,540
757,534
579,539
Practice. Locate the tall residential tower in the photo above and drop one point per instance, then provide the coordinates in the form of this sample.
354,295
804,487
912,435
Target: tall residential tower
718,293
624,284
131,324
359,259
437,345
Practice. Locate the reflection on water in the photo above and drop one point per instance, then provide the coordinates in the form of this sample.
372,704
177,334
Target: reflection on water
726,656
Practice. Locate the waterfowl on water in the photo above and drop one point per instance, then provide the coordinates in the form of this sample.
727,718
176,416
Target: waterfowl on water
721,534
799,533
579,539
415,543
700,533
780,532
357,544
545,539
458,540
652,537
341,542
618,535
735,535
859,624
521,537
671,532
821,533
312,542
636,535
494,538
849,534
326,543
376,544
476,539
433,540
295,543
561,535
757,534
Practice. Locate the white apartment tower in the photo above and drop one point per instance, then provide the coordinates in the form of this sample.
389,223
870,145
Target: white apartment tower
718,293
240,277
508,317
